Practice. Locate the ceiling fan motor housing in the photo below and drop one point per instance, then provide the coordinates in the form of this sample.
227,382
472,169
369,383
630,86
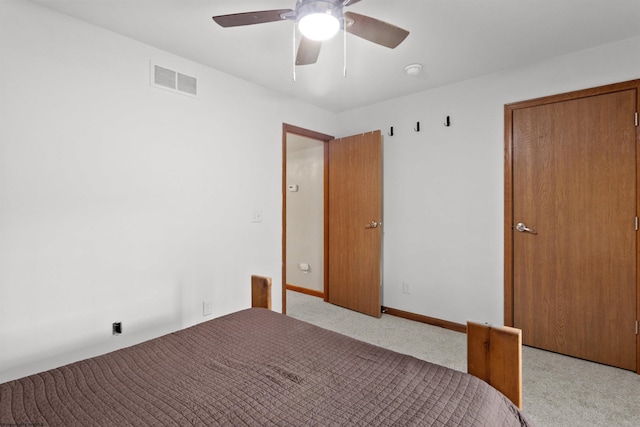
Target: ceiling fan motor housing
327,7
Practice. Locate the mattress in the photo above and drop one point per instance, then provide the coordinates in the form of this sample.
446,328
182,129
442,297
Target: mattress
254,368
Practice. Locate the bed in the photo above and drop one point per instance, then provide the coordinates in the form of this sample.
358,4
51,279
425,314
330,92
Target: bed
254,368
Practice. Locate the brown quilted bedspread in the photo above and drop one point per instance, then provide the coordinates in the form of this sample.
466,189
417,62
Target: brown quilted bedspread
254,368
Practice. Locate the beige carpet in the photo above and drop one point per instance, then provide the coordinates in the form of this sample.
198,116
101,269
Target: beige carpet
557,390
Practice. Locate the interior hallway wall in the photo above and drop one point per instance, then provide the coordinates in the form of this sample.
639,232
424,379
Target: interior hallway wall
305,212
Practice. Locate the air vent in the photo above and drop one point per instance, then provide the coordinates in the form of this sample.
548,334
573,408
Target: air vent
172,80
164,77
187,84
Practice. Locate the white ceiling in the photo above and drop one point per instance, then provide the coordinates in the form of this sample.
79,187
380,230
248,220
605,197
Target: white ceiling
454,40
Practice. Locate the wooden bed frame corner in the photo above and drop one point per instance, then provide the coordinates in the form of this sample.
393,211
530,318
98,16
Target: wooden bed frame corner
261,291
494,354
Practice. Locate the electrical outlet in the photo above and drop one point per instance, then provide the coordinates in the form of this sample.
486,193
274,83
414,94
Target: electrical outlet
116,328
207,308
406,288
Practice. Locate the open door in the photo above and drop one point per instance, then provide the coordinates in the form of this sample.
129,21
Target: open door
354,222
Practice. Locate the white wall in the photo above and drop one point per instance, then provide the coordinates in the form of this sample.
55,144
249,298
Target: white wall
305,212
123,202
443,206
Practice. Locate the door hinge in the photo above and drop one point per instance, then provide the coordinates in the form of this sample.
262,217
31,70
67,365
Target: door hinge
636,119
636,223
636,327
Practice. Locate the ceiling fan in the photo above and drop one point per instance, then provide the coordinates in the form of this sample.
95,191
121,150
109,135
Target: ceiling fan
320,20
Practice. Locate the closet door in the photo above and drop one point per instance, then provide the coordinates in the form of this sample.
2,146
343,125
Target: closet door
574,226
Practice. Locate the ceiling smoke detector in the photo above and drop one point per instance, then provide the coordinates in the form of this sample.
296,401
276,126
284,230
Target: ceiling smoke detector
413,69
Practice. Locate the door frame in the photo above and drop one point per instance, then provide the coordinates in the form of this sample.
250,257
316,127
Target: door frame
287,129
508,187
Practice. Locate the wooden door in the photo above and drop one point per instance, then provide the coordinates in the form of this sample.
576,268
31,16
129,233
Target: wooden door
574,254
354,207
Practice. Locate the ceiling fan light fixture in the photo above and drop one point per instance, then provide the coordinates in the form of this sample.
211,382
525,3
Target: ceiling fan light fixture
319,19
319,26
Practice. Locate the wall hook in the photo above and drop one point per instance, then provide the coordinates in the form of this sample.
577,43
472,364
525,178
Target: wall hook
391,131
417,128
447,123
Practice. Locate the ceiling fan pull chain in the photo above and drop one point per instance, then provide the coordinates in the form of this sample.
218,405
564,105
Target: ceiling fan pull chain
344,48
294,53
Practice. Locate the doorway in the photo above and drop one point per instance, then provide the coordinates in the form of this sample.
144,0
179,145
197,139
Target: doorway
571,168
307,137
305,215
352,217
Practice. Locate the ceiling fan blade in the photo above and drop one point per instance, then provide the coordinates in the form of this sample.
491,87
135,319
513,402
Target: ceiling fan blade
374,30
250,18
349,3
308,51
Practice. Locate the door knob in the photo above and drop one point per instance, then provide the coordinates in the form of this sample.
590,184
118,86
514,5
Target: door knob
521,227
373,224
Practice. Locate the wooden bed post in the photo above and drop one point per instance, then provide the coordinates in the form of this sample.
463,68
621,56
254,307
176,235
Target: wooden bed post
261,292
494,354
